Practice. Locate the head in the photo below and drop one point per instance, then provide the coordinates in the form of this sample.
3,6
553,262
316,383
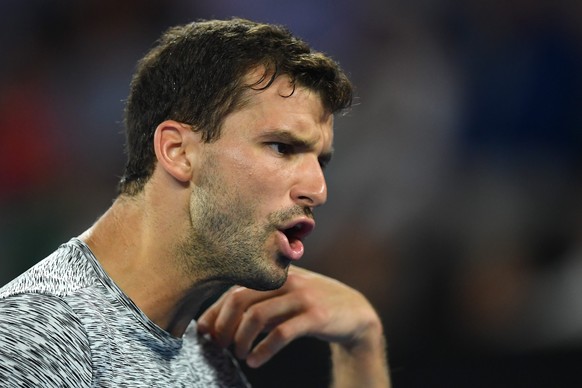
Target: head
248,92
197,74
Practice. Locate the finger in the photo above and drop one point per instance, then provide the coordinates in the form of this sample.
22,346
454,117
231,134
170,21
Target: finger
277,339
207,319
231,309
228,315
262,317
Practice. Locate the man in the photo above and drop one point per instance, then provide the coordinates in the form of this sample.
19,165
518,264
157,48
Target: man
229,126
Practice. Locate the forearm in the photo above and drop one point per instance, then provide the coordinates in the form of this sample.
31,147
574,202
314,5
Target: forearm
361,365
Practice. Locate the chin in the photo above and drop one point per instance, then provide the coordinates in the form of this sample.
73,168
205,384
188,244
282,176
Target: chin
269,277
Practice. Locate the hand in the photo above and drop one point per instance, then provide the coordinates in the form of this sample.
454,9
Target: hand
308,304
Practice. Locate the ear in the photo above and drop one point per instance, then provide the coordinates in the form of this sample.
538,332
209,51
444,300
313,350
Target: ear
177,149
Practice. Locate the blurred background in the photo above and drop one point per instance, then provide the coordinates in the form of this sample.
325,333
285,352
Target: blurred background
454,193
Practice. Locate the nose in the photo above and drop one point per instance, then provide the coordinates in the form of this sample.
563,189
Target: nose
310,189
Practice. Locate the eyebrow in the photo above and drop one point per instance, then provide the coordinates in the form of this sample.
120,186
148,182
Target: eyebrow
299,143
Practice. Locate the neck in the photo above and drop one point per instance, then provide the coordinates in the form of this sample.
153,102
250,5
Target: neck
136,248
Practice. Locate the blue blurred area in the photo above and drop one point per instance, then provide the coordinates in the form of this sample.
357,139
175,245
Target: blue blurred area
454,192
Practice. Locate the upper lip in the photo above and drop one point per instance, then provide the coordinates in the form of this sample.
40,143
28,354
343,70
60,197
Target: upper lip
299,228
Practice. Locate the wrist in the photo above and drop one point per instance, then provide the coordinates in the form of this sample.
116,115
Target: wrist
361,361
368,346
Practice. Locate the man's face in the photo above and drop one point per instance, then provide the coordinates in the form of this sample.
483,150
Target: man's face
251,204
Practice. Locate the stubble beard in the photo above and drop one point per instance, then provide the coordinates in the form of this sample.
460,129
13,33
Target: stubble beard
226,243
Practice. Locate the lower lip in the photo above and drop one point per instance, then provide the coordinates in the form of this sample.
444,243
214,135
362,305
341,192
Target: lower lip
292,250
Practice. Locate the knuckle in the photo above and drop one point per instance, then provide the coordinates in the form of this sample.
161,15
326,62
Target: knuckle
236,299
320,315
306,299
254,316
281,334
220,327
295,280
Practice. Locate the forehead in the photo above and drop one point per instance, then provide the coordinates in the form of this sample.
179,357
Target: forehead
280,98
260,79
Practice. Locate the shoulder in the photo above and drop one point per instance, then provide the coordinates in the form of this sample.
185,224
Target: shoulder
42,340
63,272
20,312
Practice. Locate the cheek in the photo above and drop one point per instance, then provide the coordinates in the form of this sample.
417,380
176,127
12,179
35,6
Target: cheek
262,182
252,173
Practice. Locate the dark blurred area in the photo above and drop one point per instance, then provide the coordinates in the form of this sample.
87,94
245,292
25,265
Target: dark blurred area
454,193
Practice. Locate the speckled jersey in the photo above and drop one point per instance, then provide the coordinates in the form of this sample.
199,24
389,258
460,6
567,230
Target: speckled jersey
64,323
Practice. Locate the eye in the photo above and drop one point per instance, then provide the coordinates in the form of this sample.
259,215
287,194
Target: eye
324,160
281,148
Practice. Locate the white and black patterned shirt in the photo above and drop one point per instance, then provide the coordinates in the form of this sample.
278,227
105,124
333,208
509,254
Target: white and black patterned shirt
64,323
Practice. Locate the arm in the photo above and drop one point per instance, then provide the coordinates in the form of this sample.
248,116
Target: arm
308,304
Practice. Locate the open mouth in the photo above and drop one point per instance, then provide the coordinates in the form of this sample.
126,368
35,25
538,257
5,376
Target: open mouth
291,236
298,231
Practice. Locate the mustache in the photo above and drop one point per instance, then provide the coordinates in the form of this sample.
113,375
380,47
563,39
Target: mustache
284,215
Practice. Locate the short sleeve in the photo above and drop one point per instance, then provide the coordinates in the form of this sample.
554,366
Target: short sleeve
42,343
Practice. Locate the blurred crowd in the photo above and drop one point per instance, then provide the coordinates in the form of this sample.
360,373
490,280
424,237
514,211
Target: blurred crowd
454,192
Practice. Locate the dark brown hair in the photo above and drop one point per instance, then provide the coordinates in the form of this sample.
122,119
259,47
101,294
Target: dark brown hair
195,75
